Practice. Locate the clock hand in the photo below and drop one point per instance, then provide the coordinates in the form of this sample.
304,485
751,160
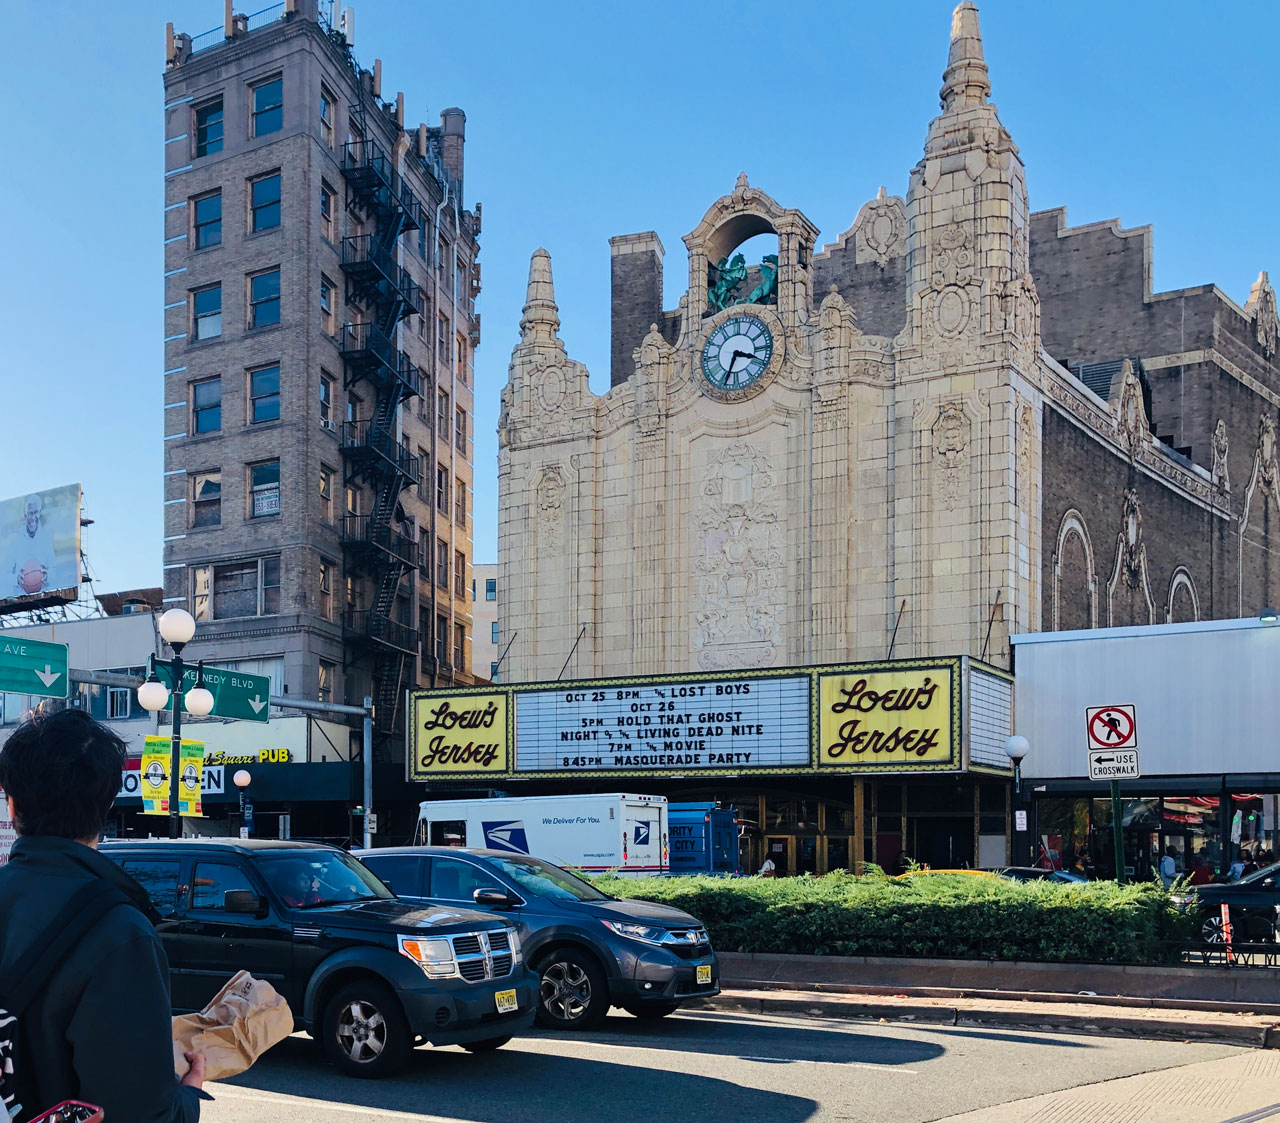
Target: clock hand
733,359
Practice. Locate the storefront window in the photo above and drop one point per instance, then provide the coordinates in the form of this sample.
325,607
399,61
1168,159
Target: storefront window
791,814
839,856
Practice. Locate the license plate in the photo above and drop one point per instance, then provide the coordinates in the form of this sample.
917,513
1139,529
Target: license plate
704,974
507,1004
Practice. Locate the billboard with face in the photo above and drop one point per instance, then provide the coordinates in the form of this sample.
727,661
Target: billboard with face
40,549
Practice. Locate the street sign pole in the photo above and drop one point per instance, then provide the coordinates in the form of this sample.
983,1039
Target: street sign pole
1117,825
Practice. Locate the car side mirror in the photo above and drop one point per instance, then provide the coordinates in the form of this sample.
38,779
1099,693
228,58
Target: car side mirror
492,899
241,900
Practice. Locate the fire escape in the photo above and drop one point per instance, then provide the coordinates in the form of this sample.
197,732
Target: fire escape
376,545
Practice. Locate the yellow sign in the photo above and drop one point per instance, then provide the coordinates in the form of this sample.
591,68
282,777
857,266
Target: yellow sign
887,719
455,733
153,777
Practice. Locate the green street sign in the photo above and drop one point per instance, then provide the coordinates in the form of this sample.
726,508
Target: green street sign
235,694
30,666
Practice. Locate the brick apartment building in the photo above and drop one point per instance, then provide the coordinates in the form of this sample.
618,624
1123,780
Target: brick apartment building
320,277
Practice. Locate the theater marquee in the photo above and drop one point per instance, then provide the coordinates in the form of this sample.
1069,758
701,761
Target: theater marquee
903,716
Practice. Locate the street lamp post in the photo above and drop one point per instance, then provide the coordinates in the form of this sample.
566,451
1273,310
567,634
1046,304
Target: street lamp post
1016,748
176,628
241,780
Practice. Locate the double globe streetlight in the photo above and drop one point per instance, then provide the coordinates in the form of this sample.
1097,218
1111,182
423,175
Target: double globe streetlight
176,628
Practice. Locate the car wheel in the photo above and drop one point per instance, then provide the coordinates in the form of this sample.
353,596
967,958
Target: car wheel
651,1011
573,993
364,1030
488,1045
1211,928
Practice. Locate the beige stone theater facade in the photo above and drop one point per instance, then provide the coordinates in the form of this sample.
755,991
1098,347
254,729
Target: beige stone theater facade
901,442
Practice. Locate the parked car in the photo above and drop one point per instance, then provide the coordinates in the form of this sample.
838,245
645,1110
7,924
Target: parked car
1037,873
592,951
1252,904
367,975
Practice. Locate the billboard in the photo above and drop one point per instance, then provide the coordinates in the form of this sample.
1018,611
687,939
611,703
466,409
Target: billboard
40,549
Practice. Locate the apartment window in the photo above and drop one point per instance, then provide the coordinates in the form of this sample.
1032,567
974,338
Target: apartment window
326,493
422,241
424,483
206,406
353,499
355,594
328,672
326,590
264,299
442,414
493,672
327,388
264,489
442,638
442,260
460,503
264,395
424,555
327,319
355,142
460,428
459,575
207,312
493,631
459,282
247,588
268,107
461,351
459,646
328,212
264,203
207,220
490,588
442,337
206,499
354,405
327,110
442,490
209,128
442,563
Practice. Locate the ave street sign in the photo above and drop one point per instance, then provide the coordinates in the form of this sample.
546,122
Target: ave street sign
1113,764
29,666
235,694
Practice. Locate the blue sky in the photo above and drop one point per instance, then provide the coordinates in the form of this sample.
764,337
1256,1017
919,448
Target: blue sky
585,120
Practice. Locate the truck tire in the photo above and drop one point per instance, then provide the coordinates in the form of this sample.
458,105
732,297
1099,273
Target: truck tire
651,1011
573,992
488,1045
364,1031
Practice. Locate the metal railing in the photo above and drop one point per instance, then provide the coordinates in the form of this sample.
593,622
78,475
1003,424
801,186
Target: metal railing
370,168
362,436
363,253
216,36
363,530
381,629
265,16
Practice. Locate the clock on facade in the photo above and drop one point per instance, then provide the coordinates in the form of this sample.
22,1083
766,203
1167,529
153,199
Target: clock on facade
737,352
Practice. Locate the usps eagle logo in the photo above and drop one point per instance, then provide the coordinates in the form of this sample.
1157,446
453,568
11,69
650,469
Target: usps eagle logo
642,834
508,835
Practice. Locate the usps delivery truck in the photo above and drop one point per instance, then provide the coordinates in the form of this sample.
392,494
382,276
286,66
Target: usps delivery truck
594,833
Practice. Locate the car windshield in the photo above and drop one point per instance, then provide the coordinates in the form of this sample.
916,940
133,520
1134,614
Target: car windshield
542,879
309,879
1260,875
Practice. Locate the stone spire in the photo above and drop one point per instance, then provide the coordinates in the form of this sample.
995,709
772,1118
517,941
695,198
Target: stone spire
965,82
541,318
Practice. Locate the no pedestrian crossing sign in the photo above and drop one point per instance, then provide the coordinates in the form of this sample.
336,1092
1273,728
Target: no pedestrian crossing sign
1112,735
29,666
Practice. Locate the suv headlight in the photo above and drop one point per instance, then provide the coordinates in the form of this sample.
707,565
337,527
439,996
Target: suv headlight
649,933
516,954
435,957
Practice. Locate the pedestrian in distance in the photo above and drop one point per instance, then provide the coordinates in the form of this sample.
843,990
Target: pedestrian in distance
1169,867
97,1028
767,868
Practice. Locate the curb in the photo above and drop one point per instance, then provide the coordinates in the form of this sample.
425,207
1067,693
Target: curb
814,1004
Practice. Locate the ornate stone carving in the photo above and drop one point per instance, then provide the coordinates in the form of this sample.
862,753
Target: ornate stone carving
1266,454
951,433
1219,472
550,493
738,602
879,232
1262,306
1132,548
1026,440
1131,412
952,257
551,388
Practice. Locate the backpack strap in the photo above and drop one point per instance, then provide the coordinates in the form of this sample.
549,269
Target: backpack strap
32,970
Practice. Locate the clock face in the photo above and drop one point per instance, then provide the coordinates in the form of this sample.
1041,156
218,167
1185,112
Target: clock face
737,352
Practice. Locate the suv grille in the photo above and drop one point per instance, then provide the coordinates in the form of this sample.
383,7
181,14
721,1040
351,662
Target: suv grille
689,943
483,955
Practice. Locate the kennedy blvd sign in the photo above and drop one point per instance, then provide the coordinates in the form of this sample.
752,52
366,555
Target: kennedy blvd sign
29,666
235,694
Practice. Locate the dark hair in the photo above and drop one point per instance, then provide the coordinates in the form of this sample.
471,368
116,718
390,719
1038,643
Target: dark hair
63,772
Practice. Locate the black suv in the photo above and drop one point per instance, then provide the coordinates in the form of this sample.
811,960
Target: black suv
591,950
1253,901
366,974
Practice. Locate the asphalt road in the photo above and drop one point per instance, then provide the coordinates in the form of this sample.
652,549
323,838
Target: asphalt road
701,1066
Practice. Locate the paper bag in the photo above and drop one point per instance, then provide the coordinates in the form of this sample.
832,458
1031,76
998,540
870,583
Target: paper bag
234,1030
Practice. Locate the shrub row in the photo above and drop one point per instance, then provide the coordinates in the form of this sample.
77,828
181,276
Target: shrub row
937,916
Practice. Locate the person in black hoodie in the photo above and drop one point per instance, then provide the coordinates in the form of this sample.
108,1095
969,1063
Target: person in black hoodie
99,1031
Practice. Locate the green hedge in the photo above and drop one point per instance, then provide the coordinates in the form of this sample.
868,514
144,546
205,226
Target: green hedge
938,915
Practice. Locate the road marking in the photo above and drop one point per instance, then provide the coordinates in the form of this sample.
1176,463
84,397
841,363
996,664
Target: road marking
340,1108
843,1064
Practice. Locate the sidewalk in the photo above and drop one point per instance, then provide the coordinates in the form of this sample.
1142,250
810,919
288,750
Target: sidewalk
835,987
